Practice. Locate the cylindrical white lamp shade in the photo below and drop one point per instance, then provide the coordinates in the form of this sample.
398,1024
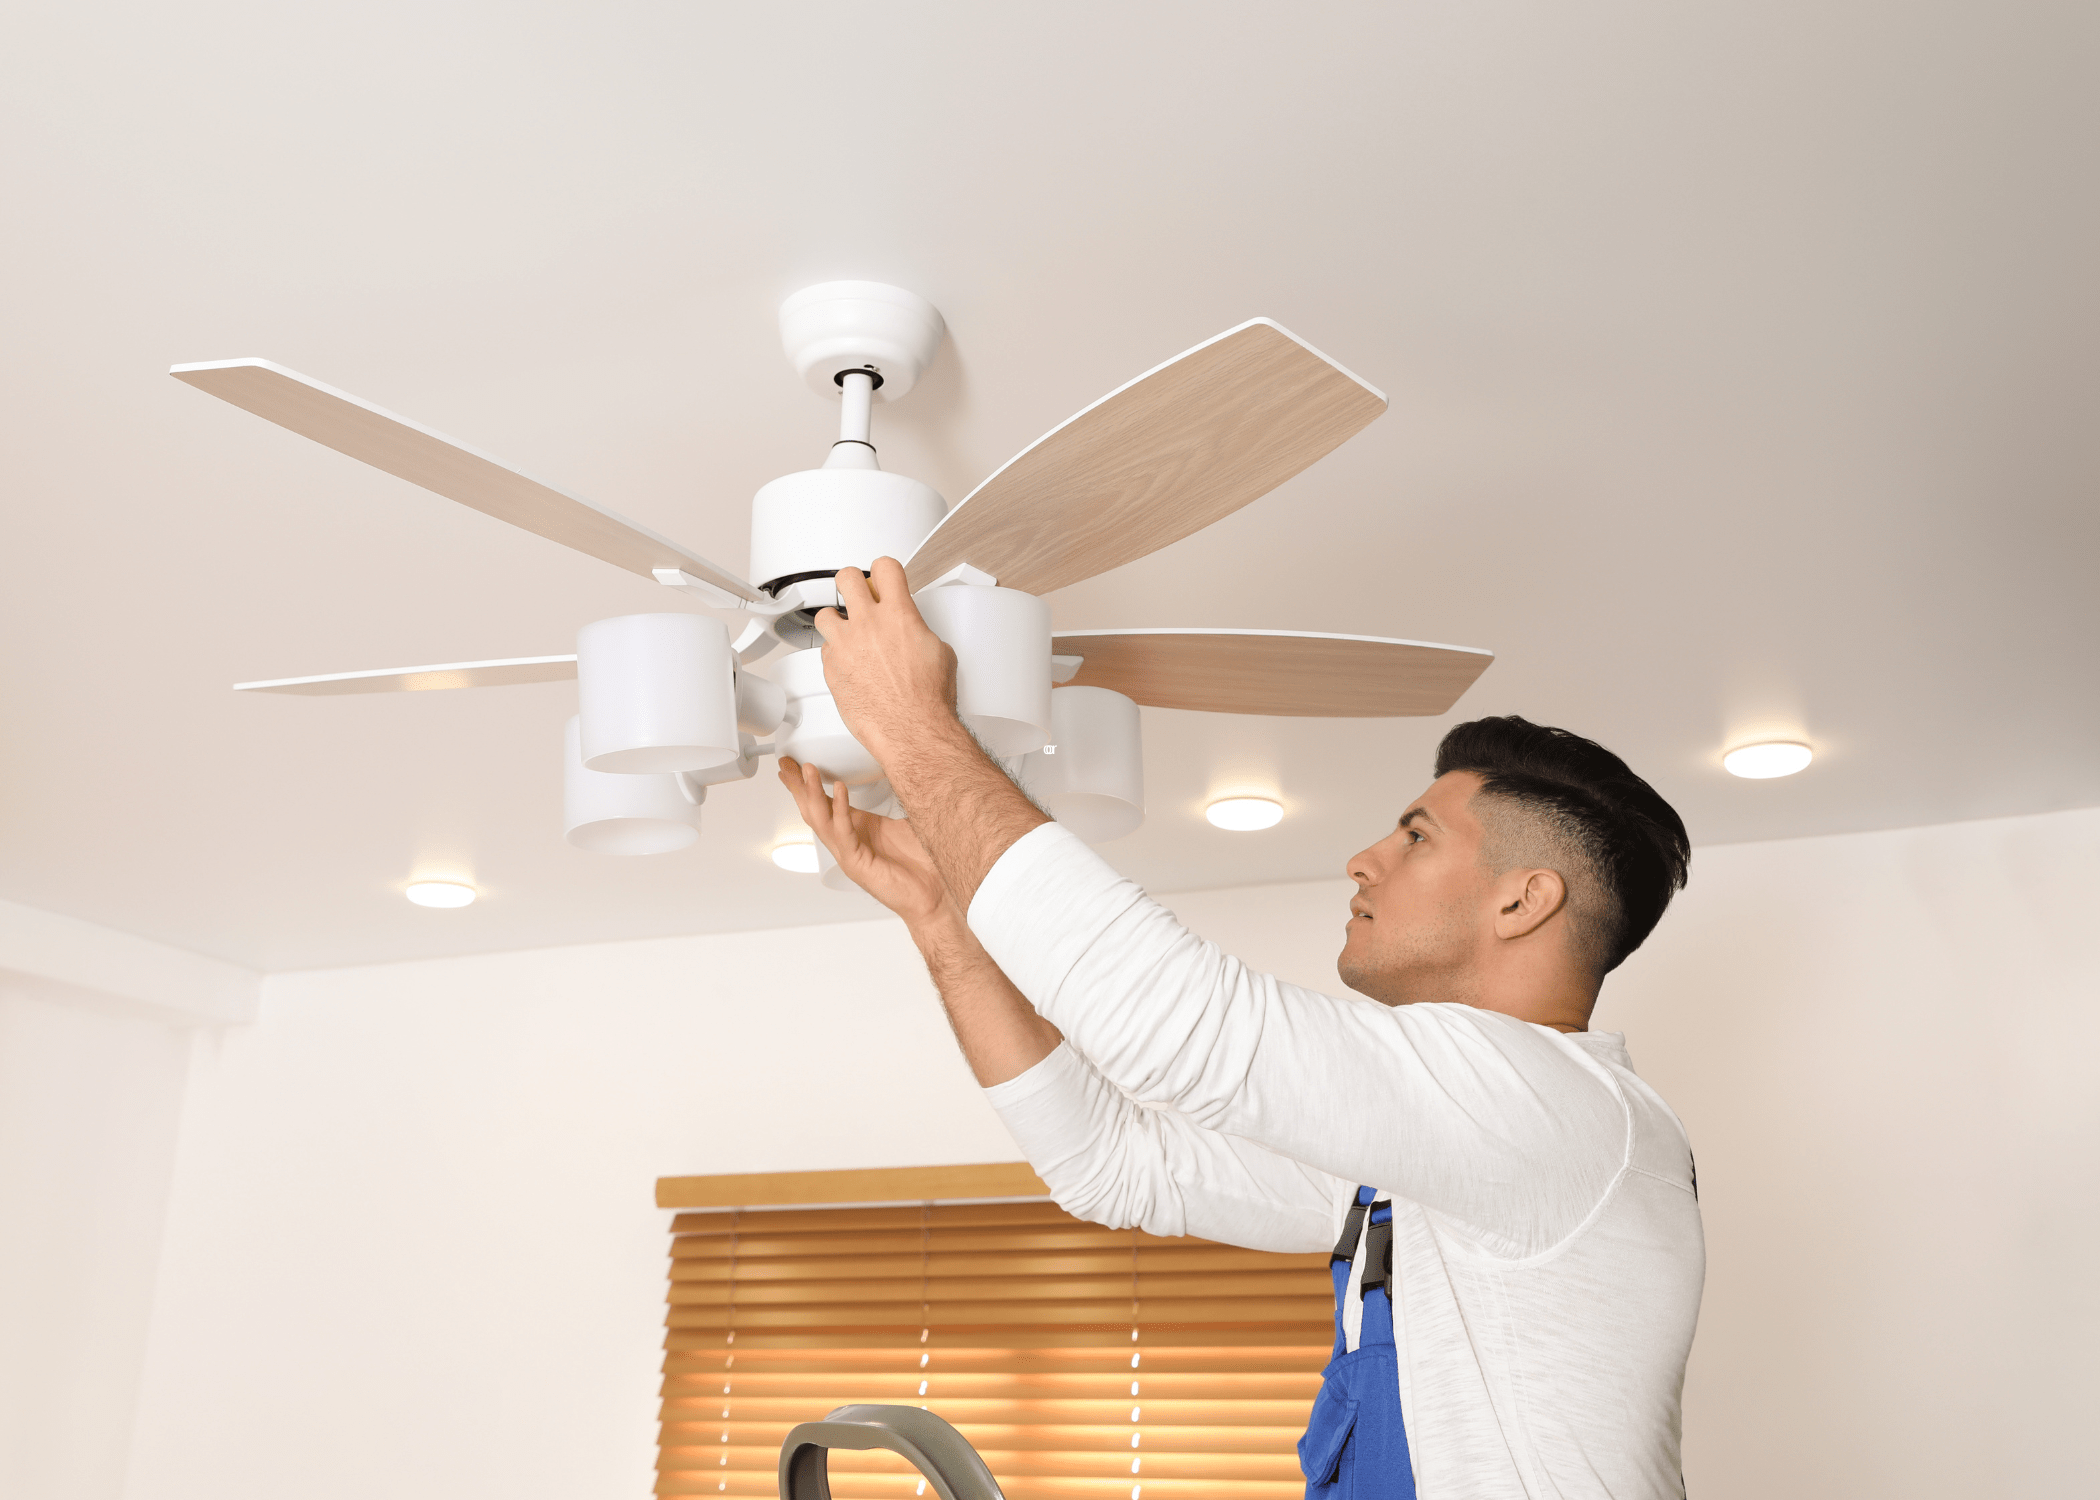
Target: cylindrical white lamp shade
1002,661
1093,780
812,731
623,814
657,693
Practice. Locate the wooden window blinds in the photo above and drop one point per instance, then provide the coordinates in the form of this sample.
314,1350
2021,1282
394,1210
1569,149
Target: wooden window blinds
1083,1363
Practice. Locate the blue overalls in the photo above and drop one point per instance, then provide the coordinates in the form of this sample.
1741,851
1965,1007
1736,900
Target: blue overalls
1355,1443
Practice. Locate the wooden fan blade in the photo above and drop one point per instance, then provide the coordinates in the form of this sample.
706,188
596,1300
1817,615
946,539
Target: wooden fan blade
407,451
458,674
1179,447
1292,672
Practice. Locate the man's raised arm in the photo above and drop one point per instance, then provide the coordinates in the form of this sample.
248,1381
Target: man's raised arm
1104,1157
1463,1110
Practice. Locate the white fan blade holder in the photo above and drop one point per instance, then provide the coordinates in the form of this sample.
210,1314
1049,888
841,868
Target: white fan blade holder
1158,459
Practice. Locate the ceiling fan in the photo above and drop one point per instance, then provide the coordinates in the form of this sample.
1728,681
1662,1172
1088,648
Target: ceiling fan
675,702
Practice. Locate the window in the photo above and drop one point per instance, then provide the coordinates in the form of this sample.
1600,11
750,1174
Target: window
1083,1363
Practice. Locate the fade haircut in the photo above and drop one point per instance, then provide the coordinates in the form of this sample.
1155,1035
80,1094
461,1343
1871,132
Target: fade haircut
1569,804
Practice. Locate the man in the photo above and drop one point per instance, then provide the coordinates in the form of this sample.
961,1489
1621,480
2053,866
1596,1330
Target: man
1519,1258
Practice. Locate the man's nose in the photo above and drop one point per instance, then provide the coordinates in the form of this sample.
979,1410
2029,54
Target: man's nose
1359,867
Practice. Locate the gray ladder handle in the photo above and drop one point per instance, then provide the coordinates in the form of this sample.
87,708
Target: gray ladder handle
934,1448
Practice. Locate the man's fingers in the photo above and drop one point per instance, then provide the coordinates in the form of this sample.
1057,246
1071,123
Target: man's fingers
854,592
890,583
828,622
805,783
829,818
794,776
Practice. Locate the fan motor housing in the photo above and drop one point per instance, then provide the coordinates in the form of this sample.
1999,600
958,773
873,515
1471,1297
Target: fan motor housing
822,520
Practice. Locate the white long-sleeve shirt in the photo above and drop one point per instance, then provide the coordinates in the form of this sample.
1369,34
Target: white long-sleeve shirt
1547,1255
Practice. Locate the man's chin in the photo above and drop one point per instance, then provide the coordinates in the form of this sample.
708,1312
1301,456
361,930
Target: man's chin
1358,975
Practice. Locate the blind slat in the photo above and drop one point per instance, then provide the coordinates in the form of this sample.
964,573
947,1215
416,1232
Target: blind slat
813,1220
684,1440
707,1346
1015,1288
1103,1311
1212,1356
904,1486
1102,1385
911,1241
1281,1412
1108,1461
1116,1262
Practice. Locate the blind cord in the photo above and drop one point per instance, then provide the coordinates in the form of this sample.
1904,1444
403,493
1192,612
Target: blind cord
736,1224
1136,1412
925,1307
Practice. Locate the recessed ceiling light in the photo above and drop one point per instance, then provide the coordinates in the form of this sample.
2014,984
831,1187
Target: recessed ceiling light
1244,814
1773,758
797,859
441,893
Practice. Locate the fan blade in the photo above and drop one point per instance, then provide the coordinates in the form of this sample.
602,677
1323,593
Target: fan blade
458,674
364,432
1293,672
1179,447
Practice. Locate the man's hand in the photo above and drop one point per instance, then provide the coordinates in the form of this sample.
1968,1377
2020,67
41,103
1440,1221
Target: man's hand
891,676
894,682
1001,1035
880,855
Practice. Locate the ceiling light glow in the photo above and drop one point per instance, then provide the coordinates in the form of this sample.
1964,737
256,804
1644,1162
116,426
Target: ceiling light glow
1772,758
796,859
1244,814
441,893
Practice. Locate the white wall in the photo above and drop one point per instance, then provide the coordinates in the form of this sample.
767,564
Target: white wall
1887,1049
88,1107
411,1250
95,1035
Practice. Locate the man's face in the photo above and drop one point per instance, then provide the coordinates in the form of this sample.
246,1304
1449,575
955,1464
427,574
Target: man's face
1422,898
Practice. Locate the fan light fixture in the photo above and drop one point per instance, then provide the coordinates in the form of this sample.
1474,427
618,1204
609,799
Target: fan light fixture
610,812
1772,758
441,893
673,701
1244,814
796,859
1094,783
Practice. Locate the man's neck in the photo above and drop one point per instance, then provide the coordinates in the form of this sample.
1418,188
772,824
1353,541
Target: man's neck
1563,1007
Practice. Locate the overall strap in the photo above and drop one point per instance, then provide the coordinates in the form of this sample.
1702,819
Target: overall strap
1353,1226
1376,1284
1343,1261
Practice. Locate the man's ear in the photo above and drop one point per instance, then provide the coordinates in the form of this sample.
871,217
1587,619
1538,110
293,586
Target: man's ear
1524,899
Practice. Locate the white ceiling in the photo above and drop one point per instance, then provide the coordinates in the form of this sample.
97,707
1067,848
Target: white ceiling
1742,358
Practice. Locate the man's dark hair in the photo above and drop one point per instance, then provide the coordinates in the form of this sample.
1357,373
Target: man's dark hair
1574,798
